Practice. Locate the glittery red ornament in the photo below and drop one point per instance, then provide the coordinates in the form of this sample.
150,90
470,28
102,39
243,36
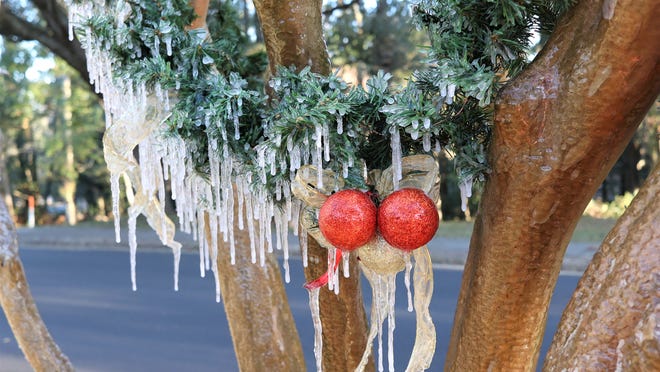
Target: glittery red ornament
348,219
408,219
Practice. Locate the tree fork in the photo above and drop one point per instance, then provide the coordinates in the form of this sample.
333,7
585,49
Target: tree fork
293,34
559,128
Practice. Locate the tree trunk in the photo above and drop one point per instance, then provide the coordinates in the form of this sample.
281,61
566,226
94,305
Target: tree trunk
70,179
5,186
263,331
293,34
611,321
29,329
559,127
260,321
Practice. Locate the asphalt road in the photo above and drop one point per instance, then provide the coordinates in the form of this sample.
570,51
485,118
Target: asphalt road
85,298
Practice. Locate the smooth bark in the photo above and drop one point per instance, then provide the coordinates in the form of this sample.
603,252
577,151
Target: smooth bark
611,322
19,307
559,127
262,328
293,36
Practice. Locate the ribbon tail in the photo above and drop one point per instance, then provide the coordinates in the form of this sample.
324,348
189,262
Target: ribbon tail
323,279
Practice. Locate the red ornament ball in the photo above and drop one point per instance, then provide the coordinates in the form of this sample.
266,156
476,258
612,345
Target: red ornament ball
408,219
347,219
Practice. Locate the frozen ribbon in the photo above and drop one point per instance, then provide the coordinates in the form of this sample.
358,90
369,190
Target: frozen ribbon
379,261
121,137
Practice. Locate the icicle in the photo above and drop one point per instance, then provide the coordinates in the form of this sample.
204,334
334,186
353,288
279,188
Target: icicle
237,131
303,246
285,245
451,88
213,224
177,259
132,244
396,158
406,279
318,331
168,44
114,187
250,223
426,141
465,187
332,253
340,124
317,157
345,262
240,194
202,249
156,50
326,142
391,322
295,158
70,25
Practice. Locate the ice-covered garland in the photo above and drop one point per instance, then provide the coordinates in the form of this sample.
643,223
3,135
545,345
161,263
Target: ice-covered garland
220,146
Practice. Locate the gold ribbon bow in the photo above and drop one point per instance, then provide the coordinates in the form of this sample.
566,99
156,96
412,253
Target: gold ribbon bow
379,261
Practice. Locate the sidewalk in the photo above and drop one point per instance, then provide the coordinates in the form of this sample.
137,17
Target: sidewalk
443,251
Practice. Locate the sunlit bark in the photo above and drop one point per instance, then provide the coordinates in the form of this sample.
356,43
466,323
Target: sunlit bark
612,319
21,312
293,35
559,127
260,321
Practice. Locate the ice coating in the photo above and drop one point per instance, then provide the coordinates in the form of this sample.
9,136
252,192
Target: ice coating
135,119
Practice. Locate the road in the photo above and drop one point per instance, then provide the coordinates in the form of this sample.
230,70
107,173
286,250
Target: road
85,298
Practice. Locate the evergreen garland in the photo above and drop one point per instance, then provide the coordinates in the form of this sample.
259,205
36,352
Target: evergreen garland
475,47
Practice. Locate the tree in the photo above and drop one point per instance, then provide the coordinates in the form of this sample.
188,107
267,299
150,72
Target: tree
559,125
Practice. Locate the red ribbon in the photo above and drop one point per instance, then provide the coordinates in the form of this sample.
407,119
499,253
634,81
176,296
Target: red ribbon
323,279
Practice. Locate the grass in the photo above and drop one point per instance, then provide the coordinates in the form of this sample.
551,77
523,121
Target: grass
589,229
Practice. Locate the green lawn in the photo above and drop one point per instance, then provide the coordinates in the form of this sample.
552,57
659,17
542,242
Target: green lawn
589,229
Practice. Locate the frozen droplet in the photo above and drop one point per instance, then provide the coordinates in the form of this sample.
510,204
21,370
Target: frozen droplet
168,44
395,143
426,141
340,124
465,187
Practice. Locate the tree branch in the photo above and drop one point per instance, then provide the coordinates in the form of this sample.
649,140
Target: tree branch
559,128
618,291
55,37
19,307
342,6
